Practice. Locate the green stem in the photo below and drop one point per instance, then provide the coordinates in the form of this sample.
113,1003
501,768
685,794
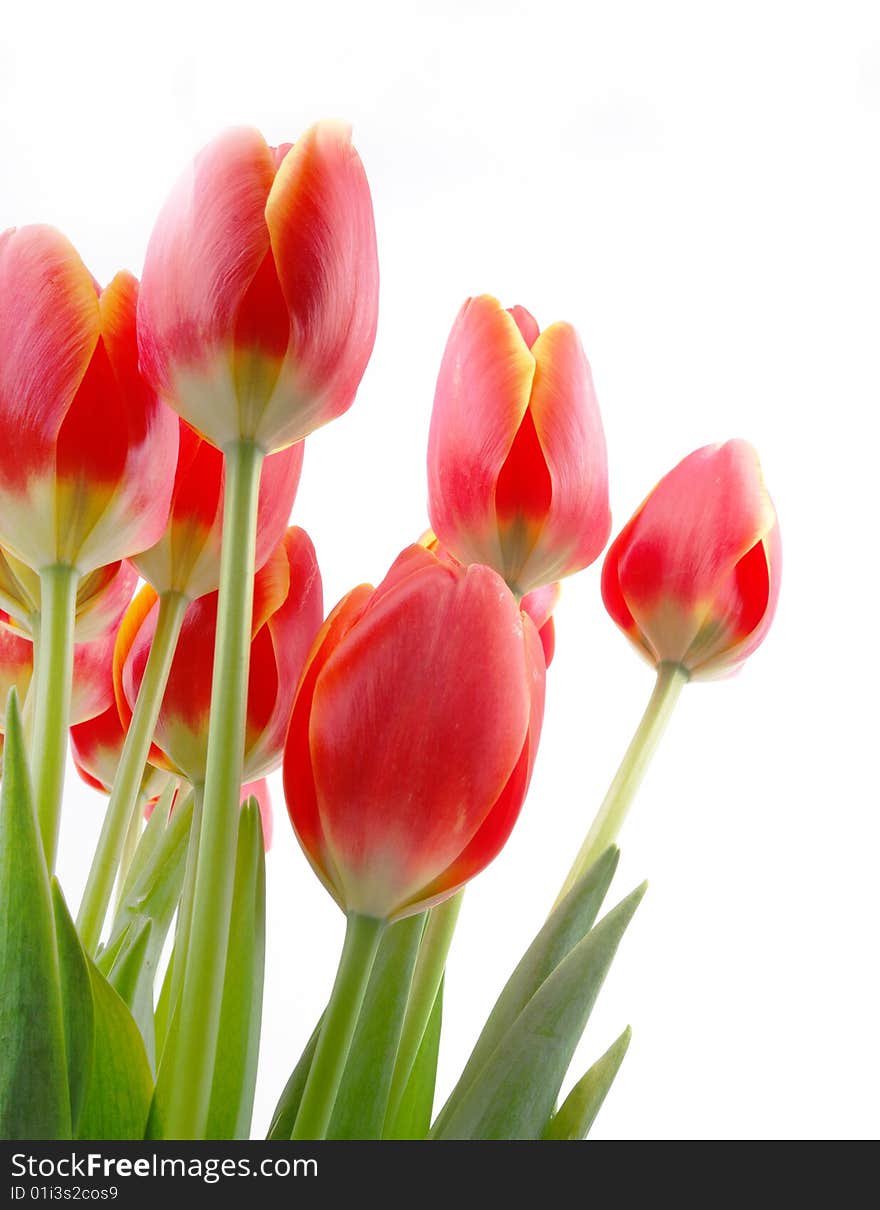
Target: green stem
184,911
53,679
671,679
124,797
129,848
202,989
428,974
362,937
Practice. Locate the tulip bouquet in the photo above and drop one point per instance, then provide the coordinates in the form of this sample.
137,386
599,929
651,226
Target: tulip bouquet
158,615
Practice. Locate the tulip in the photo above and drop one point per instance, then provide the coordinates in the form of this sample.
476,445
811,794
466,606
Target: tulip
258,310
92,679
517,469
408,758
186,559
96,746
102,597
287,614
87,481
257,319
92,449
692,580
411,738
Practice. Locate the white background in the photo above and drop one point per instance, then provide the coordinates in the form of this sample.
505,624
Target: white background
695,187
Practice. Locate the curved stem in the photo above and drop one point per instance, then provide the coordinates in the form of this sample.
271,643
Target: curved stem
362,937
127,783
202,989
129,848
428,974
671,679
53,681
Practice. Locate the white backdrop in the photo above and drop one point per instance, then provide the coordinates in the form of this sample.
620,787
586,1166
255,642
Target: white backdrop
695,187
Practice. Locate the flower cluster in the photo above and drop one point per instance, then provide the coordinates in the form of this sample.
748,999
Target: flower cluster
156,605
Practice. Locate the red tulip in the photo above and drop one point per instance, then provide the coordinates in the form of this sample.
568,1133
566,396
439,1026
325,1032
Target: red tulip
102,597
186,558
413,734
86,474
92,680
96,746
260,290
517,471
693,578
287,613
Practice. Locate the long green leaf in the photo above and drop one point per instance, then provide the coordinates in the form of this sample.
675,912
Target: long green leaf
34,1092
235,1071
132,976
564,928
578,1111
514,1094
76,997
120,1085
287,1108
413,1118
359,1112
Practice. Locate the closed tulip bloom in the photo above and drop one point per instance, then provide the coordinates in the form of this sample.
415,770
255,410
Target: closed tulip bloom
91,449
693,578
96,746
186,559
102,597
517,469
260,289
92,679
413,735
287,613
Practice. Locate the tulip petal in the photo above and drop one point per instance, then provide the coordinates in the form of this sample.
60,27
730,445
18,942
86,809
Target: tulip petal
320,219
452,749
569,430
482,393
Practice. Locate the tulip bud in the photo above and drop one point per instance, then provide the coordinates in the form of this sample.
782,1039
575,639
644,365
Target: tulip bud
186,558
259,303
693,578
92,680
91,449
102,597
413,735
287,613
517,470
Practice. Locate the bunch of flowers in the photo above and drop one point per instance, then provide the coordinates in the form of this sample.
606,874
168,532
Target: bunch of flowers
157,614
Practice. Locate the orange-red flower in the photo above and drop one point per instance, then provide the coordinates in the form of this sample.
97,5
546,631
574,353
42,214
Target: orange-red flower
96,746
517,469
186,558
693,577
260,288
287,613
413,734
92,680
89,450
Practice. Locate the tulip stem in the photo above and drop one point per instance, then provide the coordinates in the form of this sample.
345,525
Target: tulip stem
362,937
184,911
125,796
53,679
202,990
426,980
129,848
671,679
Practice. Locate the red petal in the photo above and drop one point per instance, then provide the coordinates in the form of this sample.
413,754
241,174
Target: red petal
481,398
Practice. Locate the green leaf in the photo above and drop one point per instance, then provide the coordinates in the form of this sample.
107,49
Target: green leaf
362,1100
120,1085
578,1112
564,928
287,1108
76,997
151,836
163,1008
413,1119
133,974
34,1094
513,1095
235,1070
